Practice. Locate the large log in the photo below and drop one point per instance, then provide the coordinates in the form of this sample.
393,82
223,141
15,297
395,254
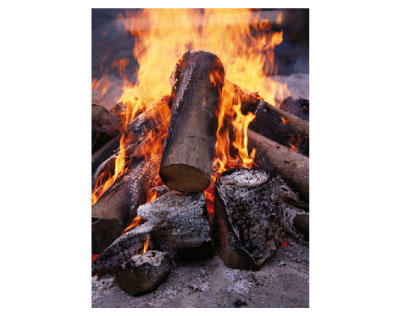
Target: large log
292,166
247,225
189,147
118,205
282,127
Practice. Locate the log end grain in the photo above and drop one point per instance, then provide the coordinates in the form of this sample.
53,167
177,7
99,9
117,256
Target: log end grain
184,178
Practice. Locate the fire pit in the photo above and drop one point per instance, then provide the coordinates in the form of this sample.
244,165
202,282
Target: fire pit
202,182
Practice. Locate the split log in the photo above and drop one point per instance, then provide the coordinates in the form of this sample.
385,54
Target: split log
292,166
282,127
122,249
143,273
105,126
189,147
247,217
180,224
118,205
176,223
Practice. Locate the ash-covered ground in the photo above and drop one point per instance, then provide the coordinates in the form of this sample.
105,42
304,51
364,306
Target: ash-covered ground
281,282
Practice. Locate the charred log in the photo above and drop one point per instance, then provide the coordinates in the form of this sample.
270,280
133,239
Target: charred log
105,126
281,127
122,249
291,165
189,147
247,217
295,222
298,107
118,205
143,273
180,224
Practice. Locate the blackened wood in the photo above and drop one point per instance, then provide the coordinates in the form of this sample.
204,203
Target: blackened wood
298,107
249,100
119,204
122,249
301,222
247,217
143,273
180,224
105,126
289,196
104,152
189,147
293,166
281,127
104,231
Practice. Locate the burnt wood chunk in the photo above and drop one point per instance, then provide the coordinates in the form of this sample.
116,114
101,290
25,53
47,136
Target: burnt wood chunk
122,249
295,221
188,154
281,127
143,273
298,107
105,126
247,217
118,205
179,224
292,166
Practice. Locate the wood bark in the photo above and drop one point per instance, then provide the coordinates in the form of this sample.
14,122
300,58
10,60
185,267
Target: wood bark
281,127
247,217
292,166
143,273
118,205
180,224
189,147
105,126
176,223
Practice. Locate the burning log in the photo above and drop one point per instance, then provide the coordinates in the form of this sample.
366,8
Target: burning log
291,165
118,205
247,217
189,147
282,127
176,224
298,107
143,273
105,125
180,224
122,249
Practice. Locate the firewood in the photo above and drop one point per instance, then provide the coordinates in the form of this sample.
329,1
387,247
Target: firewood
176,223
281,127
292,166
122,249
247,217
301,222
105,126
104,152
295,221
298,107
143,273
104,231
180,224
118,205
189,147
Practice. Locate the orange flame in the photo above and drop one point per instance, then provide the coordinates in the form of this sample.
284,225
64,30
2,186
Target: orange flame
242,39
146,244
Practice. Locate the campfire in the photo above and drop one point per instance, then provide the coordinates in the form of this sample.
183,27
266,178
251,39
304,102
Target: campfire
198,158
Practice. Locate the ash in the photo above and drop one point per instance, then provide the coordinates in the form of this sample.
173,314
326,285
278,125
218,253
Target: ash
281,282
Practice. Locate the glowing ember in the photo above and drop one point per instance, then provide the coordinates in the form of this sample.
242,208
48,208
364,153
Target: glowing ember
135,222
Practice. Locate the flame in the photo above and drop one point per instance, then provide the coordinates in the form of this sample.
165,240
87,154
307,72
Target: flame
119,170
135,222
244,42
146,244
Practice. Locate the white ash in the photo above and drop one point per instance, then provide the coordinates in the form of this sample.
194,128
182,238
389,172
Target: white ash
245,177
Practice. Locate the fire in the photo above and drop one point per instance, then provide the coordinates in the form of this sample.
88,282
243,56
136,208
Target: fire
119,170
135,222
242,39
146,244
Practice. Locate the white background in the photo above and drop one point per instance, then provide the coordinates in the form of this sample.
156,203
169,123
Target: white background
45,164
